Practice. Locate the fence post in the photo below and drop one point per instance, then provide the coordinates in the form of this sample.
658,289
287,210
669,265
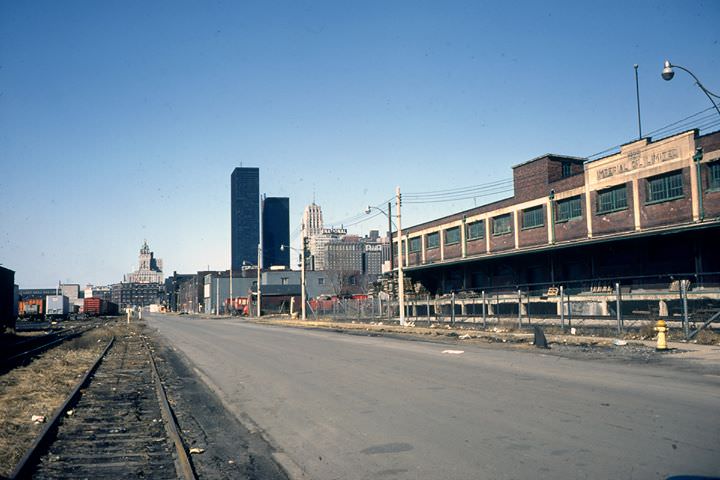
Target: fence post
519,309
562,308
484,310
683,294
452,309
617,307
427,307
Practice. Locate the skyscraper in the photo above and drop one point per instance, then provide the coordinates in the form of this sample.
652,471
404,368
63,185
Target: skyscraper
276,231
312,222
244,215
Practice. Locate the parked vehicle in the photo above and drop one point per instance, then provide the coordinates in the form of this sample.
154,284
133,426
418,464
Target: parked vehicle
7,299
31,308
57,307
95,307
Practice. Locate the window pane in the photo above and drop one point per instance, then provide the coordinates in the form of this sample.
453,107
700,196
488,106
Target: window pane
533,217
714,175
476,230
501,224
612,199
664,187
568,209
433,240
452,235
415,244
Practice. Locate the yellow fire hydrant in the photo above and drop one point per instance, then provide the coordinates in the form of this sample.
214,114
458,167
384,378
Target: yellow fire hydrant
662,329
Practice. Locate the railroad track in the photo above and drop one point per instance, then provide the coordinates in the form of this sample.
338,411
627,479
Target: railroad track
22,351
121,425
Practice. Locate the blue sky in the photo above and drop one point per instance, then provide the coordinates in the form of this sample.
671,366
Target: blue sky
121,121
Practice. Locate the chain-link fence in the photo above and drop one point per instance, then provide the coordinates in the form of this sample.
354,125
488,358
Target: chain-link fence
689,302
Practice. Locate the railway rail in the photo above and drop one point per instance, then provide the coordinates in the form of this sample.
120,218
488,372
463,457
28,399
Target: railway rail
116,423
21,351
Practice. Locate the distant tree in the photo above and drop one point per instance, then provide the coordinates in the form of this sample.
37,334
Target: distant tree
347,282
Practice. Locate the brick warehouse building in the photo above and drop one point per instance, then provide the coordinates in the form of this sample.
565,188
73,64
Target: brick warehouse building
650,210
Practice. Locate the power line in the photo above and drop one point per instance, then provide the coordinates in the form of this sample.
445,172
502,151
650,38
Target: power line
460,190
669,129
458,198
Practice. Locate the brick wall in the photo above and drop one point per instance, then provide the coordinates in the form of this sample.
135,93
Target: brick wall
502,242
572,229
614,222
475,247
453,251
530,180
673,211
432,255
533,236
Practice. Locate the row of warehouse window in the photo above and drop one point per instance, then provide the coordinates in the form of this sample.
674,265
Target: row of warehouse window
661,188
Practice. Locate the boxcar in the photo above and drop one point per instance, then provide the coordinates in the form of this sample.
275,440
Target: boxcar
7,299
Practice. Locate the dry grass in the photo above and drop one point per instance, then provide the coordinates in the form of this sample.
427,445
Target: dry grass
38,389
708,337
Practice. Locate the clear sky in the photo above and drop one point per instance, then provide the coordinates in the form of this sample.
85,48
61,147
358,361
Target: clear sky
122,120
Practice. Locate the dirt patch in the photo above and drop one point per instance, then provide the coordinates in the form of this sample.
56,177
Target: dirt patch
585,344
39,388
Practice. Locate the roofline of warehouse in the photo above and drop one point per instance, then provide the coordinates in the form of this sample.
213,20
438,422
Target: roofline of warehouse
569,157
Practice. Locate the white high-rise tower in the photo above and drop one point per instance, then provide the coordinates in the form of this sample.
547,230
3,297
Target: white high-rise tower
312,221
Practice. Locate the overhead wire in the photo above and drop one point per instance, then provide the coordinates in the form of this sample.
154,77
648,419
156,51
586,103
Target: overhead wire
677,126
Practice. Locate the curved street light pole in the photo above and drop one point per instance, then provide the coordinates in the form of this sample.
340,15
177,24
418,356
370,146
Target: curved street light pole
668,74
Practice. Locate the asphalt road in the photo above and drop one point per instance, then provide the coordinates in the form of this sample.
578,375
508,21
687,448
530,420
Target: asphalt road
348,407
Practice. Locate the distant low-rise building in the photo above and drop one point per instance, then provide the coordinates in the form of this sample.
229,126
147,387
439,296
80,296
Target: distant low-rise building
137,294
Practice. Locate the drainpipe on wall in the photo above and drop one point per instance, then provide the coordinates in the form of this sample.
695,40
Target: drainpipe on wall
552,216
698,158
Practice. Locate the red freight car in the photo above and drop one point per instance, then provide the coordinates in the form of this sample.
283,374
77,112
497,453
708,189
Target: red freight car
95,307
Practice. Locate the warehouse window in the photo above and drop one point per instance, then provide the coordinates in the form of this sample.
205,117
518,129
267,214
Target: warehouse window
664,187
569,209
501,225
452,236
533,218
476,230
415,244
612,199
714,176
566,169
433,240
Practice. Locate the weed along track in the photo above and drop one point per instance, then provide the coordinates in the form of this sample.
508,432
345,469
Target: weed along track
116,427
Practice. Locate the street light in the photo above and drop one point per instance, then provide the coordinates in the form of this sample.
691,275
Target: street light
668,74
401,278
302,273
248,264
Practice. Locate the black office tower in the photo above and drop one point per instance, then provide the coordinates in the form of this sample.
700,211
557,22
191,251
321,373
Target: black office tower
276,231
244,216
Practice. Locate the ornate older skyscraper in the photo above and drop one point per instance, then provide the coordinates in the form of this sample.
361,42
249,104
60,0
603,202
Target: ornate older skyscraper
149,268
312,222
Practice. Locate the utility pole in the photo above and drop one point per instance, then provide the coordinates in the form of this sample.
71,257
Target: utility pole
401,278
258,278
389,215
217,295
637,94
302,275
231,292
